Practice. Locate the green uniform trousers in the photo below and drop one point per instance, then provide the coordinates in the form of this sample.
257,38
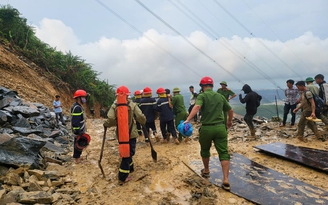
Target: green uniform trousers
178,117
217,134
303,121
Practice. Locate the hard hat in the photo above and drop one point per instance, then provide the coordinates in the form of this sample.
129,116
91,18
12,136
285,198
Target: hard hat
123,89
137,92
82,141
223,83
80,93
160,91
147,90
185,128
206,81
176,90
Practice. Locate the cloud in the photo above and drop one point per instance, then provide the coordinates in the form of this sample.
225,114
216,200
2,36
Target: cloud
138,62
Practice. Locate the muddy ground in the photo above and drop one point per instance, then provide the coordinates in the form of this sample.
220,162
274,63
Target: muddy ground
169,181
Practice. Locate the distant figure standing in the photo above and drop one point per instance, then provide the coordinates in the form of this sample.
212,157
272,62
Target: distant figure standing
251,99
192,102
227,93
58,110
291,93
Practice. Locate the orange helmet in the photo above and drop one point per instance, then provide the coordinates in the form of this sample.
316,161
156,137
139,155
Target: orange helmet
161,91
206,81
123,89
80,93
147,90
137,92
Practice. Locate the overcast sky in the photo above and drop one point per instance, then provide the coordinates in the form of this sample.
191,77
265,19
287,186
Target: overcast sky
259,42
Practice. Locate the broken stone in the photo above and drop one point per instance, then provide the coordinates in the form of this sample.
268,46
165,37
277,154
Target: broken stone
35,197
34,186
25,111
13,179
38,173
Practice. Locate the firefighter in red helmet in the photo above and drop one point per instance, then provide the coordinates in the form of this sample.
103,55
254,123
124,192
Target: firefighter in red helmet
134,114
148,106
137,98
78,121
213,129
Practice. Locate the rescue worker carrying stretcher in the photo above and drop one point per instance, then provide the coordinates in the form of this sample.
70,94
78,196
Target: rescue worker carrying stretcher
126,166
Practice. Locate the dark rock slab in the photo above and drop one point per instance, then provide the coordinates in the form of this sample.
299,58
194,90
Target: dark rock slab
26,131
35,197
25,111
6,92
314,158
260,184
52,147
19,151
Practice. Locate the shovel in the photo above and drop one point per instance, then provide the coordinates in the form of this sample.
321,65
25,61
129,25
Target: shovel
101,152
153,152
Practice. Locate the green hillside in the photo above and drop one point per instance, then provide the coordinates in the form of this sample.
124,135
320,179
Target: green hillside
267,111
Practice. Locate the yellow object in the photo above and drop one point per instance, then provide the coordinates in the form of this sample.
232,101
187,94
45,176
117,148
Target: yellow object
314,120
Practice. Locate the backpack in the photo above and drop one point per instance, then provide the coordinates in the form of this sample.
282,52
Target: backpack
318,101
258,100
324,88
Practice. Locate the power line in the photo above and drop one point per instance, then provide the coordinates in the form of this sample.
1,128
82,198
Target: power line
140,32
233,50
189,42
277,35
252,34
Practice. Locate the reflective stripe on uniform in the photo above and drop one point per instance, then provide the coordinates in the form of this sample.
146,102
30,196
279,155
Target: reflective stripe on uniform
131,163
76,128
153,103
77,114
124,171
163,103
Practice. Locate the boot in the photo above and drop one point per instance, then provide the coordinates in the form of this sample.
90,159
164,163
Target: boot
253,132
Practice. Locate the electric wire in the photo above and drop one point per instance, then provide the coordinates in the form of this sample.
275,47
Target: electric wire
252,34
233,50
188,41
140,32
276,35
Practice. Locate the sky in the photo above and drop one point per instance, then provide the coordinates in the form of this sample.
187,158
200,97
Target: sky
174,43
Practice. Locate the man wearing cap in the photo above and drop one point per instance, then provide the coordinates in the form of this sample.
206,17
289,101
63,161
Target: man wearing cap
179,109
310,86
227,93
193,98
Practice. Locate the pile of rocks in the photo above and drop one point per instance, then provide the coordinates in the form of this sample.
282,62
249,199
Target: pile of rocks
30,140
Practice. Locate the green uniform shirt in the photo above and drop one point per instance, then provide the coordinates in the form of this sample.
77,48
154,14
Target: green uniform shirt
226,93
178,104
212,106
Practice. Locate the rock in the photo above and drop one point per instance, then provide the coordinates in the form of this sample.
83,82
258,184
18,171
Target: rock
2,194
13,179
35,197
242,126
20,151
11,197
26,131
34,186
232,201
38,173
33,178
25,111
51,147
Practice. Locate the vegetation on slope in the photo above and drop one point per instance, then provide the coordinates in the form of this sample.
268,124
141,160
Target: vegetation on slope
65,67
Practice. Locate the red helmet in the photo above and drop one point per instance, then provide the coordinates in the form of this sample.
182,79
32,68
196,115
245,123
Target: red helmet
137,92
80,93
123,89
206,81
160,91
147,90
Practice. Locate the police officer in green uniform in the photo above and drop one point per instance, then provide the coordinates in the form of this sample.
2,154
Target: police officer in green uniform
212,106
179,108
227,93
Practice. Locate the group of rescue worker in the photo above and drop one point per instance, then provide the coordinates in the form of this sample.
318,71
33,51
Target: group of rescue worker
216,118
172,111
